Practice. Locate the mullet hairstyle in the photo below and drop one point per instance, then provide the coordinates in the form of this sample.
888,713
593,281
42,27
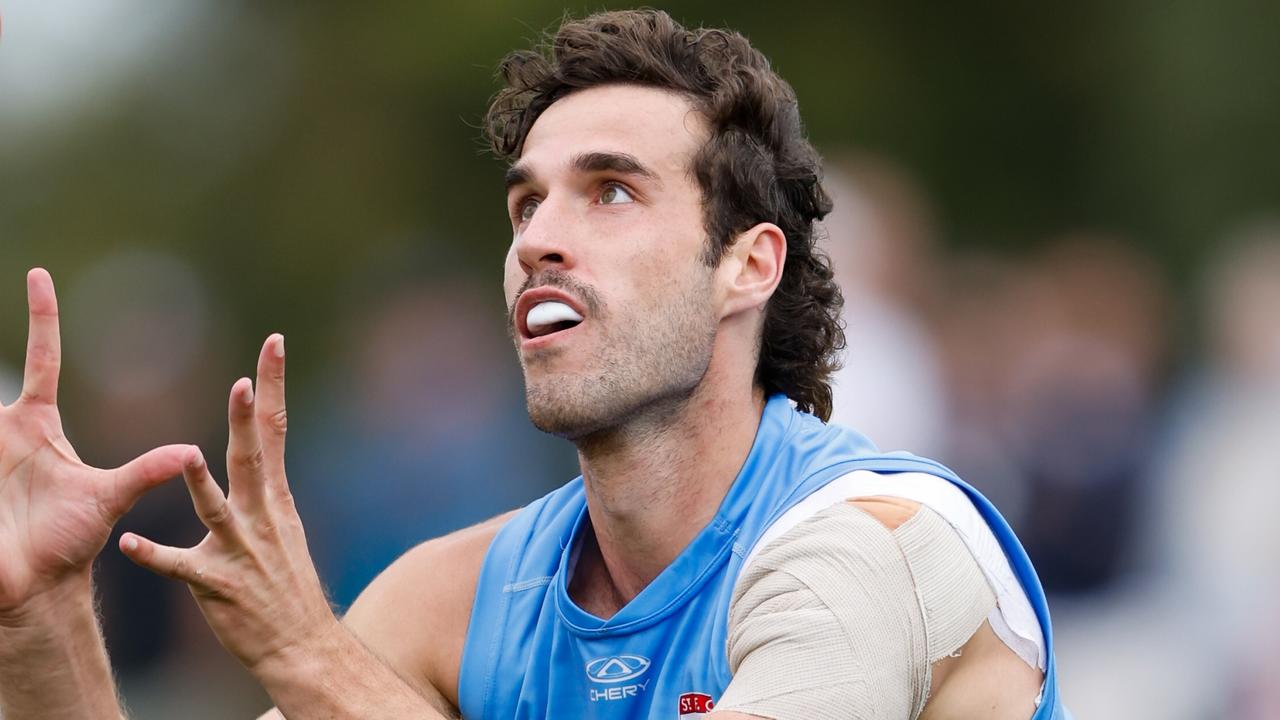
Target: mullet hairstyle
757,166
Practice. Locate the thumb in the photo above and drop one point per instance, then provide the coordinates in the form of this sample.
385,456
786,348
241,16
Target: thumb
127,483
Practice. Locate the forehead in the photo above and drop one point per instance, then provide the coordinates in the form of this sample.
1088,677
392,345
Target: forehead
658,127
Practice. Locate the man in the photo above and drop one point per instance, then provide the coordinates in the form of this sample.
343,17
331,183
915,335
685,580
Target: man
723,552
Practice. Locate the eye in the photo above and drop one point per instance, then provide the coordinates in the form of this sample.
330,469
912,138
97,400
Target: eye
614,194
524,212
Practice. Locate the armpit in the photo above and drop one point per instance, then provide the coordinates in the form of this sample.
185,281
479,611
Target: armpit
842,617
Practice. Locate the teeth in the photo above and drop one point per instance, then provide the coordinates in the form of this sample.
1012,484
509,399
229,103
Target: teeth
549,313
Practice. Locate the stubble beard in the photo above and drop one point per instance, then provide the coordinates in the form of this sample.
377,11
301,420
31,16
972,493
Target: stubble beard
646,366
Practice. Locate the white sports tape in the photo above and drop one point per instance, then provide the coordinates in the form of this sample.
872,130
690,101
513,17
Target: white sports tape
1013,620
841,617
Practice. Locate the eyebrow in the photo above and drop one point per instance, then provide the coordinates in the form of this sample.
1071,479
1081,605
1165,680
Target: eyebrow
517,175
590,162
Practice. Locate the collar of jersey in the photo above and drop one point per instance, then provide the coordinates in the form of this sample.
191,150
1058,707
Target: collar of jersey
706,553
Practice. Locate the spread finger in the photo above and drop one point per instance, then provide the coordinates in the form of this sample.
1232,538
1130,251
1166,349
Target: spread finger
210,504
177,563
44,345
270,405
246,463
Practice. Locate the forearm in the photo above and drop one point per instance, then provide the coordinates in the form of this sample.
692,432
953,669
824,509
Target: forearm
53,665
338,677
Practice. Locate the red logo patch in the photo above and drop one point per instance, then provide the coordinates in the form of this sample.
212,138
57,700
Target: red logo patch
693,705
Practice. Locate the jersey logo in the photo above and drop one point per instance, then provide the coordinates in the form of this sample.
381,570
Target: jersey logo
614,670
617,668
694,705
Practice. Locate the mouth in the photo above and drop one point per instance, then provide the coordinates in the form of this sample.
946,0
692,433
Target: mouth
544,314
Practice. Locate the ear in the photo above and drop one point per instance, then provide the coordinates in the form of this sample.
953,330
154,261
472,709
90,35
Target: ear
752,269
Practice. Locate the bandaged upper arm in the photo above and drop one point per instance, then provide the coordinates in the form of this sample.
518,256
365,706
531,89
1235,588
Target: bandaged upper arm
842,617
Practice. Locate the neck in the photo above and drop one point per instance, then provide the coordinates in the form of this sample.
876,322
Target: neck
653,485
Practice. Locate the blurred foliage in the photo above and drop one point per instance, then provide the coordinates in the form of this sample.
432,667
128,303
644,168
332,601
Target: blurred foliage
301,155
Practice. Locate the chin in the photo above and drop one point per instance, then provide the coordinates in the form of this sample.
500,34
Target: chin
564,411
579,410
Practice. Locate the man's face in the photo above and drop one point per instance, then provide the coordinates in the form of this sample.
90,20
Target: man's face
612,307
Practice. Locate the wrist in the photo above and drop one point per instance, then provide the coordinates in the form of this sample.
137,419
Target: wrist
52,607
322,645
335,675
52,661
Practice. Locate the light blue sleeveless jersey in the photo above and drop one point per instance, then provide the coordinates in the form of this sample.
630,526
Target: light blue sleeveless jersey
532,654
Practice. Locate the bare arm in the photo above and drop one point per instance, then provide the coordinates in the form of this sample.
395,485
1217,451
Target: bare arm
342,678
55,515
432,586
52,660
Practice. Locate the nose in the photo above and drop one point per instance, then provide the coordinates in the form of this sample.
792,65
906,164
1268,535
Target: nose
544,242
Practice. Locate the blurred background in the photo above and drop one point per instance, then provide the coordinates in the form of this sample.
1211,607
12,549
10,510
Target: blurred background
1058,229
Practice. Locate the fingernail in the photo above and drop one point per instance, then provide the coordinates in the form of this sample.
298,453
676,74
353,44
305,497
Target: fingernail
195,458
130,543
279,348
246,395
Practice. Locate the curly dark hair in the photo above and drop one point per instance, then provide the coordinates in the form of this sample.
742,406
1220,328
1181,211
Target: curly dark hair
756,166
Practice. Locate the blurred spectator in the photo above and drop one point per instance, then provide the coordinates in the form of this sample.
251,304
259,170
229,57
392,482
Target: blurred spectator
990,306
426,432
1217,536
1083,393
880,238
141,361
1055,368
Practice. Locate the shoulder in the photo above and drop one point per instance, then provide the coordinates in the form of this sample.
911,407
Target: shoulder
414,615
913,488
834,595
892,579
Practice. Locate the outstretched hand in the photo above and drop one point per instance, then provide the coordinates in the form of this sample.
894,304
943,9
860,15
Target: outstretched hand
56,512
252,575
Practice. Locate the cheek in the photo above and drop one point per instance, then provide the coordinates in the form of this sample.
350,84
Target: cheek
669,291
674,271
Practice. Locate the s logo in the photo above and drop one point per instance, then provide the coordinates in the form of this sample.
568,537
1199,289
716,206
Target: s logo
617,668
